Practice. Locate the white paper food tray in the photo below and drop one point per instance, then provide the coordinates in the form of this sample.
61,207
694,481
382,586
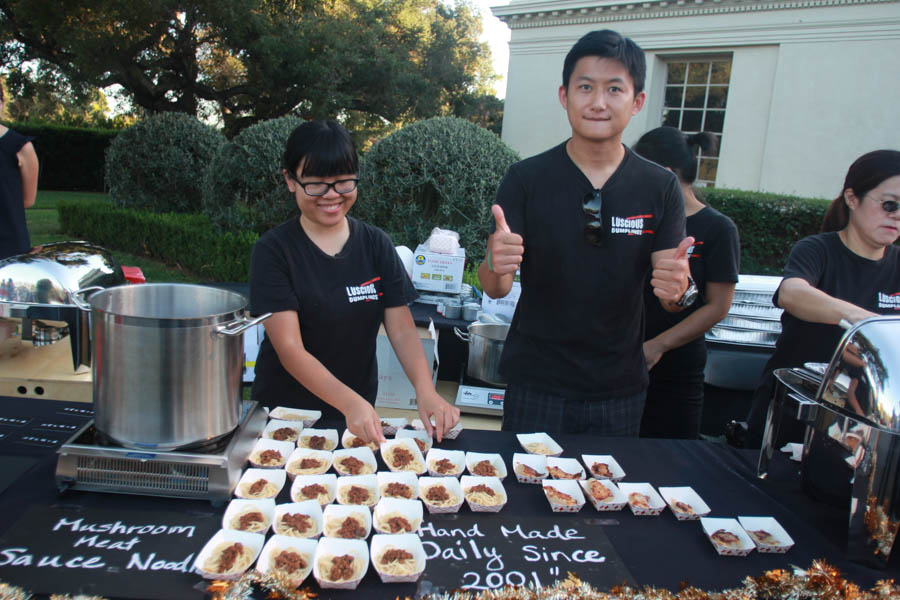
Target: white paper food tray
616,502
338,547
405,541
473,458
656,503
254,541
688,496
539,438
279,543
566,465
566,486
782,542
618,474
468,481
538,462
711,525
452,486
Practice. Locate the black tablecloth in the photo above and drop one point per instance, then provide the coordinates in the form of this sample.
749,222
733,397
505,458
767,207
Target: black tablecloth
659,551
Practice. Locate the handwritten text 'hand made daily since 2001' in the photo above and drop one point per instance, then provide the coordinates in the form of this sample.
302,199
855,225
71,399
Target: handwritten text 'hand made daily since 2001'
483,560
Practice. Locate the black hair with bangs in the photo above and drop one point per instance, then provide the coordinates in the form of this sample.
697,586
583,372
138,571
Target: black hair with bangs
608,44
324,147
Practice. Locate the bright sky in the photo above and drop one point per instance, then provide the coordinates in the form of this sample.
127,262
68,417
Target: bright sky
496,34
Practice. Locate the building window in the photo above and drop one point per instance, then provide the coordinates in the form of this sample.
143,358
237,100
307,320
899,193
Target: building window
695,99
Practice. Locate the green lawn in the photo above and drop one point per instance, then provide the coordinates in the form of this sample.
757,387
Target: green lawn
43,227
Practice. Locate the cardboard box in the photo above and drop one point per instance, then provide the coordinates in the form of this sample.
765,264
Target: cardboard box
438,272
394,388
253,337
506,305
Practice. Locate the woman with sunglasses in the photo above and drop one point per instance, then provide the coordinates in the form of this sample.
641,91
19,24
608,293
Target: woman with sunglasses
849,272
674,348
330,282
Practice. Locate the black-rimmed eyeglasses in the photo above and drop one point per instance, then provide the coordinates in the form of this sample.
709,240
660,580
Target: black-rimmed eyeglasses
320,188
593,228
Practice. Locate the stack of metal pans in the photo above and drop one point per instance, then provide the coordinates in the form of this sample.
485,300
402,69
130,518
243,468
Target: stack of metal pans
752,319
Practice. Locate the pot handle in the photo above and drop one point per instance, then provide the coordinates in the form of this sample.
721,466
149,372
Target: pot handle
463,336
81,303
238,326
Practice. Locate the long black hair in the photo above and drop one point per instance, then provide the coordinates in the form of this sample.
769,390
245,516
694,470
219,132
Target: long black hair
676,150
866,173
324,147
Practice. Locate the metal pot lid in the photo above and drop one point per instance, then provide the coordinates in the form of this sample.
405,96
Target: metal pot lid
862,380
51,276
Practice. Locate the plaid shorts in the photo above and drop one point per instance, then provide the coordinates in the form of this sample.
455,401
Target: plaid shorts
526,409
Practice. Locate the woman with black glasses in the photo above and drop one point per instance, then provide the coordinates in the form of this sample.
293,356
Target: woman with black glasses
674,346
330,281
849,272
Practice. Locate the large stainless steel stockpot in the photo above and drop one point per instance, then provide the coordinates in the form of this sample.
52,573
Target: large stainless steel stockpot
167,363
486,342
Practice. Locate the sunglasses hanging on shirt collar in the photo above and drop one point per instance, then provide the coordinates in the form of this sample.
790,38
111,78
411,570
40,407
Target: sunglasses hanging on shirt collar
593,227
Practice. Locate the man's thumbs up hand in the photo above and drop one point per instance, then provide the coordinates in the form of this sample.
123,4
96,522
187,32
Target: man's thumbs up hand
670,275
504,249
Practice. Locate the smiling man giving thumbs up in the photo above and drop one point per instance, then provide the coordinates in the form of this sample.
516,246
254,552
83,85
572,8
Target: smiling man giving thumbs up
586,222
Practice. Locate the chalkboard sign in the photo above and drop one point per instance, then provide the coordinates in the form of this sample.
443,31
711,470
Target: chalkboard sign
117,553
480,552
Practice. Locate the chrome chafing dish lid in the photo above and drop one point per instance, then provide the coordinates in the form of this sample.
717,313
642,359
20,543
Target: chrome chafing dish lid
52,276
862,380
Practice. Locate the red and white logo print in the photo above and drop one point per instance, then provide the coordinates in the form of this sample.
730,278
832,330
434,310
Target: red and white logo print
889,300
364,292
630,225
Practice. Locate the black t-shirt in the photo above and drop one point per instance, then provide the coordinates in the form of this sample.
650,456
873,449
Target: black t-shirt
714,257
13,230
579,322
340,302
828,265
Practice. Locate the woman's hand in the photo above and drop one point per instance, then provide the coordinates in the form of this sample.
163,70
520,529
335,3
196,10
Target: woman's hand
364,422
652,353
445,414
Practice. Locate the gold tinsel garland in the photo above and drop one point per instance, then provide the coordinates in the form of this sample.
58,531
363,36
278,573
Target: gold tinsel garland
820,582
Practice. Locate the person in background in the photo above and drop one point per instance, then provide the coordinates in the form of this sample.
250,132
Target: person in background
18,187
674,346
850,271
330,281
587,220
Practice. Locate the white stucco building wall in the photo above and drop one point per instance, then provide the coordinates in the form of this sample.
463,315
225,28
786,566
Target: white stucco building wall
813,85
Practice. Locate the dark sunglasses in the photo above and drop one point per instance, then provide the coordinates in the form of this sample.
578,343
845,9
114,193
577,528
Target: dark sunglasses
593,229
890,206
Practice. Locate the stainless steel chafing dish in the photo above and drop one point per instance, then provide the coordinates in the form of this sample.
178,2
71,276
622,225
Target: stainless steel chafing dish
41,292
851,448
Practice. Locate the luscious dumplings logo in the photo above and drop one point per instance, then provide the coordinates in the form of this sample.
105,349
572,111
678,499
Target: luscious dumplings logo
364,292
630,225
889,300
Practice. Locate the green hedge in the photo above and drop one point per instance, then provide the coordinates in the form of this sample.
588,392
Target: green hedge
71,158
158,163
243,188
441,172
175,239
769,224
